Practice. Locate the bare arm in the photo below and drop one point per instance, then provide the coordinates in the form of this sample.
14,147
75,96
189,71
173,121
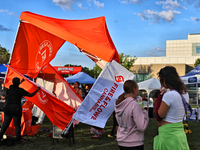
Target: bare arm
32,94
162,111
80,93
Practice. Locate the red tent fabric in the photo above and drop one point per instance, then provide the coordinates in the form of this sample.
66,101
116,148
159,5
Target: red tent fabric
37,42
58,112
40,37
67,70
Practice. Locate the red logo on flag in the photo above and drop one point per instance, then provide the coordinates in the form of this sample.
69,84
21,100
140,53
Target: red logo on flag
119,78
44,54
42,97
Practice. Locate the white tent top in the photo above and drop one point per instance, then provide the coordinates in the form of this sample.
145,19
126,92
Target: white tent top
149,85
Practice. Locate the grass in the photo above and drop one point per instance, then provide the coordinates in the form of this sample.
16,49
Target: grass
84,140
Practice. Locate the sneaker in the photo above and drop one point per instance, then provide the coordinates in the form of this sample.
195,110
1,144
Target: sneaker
100,132
96,136
92,130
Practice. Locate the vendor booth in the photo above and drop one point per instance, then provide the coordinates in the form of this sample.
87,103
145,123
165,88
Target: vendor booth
193,79
81,77
37,41
149,85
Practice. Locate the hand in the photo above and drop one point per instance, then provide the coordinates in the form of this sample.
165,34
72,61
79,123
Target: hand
38,88
162,90
22,80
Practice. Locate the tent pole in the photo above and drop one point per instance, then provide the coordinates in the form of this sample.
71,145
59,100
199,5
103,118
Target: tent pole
67,127
197,90
148,103
12,49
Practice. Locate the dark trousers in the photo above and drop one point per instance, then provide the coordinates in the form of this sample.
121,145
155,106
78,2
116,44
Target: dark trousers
141,147
115,124
14,112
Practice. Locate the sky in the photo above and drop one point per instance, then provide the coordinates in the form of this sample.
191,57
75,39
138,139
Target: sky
137,27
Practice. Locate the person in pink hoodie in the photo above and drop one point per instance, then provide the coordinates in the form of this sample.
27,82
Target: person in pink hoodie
132,119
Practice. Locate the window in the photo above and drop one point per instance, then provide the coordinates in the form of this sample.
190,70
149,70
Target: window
198,49
141,77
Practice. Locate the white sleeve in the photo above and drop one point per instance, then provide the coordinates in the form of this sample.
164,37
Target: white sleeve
167,98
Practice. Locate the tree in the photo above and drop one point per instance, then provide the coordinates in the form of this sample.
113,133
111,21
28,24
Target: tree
197,62
70,65
127,61
4,55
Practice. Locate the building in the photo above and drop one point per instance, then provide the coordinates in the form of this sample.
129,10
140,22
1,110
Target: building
181,54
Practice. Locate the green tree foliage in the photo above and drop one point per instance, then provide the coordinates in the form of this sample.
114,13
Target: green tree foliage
89,71
70,65
197,62
127,61
4,55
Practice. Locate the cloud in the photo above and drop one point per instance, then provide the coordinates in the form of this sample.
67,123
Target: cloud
65,4
131,1
143,16
98,4
195,18
169,4
157,16
8,12
2,28
196,3
156,51
80,6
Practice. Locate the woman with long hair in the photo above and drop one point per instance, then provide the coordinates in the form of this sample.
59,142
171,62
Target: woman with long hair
132,119
171,134
77,89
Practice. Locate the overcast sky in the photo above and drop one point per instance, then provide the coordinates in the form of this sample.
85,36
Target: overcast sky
137,27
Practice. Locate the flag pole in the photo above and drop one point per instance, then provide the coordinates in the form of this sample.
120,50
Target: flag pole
67,128
12,48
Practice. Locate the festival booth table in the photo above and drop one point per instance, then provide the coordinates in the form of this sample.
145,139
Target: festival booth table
25,123
193,79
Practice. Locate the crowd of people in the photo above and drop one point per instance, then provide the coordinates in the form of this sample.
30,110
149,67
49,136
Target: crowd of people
169,109
130,120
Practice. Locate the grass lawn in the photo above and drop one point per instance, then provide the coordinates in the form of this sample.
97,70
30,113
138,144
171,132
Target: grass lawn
84,140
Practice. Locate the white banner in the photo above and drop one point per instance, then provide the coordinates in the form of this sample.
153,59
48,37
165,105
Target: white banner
99,102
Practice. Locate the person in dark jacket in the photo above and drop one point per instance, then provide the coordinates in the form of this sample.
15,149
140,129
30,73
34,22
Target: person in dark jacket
13,109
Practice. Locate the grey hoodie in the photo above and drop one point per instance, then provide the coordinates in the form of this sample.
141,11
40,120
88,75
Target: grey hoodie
132,122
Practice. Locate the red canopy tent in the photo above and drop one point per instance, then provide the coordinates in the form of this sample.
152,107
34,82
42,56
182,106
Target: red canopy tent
40,37
68,70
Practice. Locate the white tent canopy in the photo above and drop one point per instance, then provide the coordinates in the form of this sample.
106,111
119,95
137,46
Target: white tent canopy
149,85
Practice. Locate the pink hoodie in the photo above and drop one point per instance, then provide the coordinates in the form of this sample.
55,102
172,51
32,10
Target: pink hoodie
132,122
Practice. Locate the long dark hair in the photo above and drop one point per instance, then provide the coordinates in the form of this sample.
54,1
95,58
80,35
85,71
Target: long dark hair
170,79
129,85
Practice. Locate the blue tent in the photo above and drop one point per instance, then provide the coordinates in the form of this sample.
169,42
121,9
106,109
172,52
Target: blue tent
192,77
3,70
81,77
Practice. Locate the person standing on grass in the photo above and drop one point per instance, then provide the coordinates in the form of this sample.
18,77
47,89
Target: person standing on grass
171,134
77,89
132,119
13,108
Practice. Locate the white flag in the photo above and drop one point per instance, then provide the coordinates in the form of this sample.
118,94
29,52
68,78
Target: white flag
99,102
